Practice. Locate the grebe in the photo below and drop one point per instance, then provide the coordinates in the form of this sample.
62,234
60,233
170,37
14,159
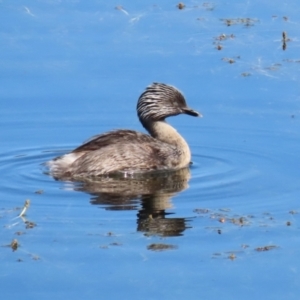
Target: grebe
128,152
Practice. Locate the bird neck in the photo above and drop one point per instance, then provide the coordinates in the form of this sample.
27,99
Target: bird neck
164,132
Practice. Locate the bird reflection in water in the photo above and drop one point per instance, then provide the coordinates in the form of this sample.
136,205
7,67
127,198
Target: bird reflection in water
150,194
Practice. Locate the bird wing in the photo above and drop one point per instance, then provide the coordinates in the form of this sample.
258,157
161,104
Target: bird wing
112,138
125,156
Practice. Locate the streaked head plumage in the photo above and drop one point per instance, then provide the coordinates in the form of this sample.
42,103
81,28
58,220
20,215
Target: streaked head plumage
159,101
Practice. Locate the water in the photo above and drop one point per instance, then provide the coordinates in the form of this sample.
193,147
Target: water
229,227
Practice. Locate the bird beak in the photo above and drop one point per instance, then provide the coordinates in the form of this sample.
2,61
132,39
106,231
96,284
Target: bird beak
191,112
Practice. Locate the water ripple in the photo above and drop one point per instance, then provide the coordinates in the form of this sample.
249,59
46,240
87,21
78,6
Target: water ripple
217,172
23,169
245,171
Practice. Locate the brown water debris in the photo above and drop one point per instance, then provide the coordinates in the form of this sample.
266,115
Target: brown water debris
115,244
39,192
161,247
30,225
232,256
265,248
20,233
201,210
229,60
284,35
14,245
285,39
222,217
244,21
241,221
223,37
180,5
245,74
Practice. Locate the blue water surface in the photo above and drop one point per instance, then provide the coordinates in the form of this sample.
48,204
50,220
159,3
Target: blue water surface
227,228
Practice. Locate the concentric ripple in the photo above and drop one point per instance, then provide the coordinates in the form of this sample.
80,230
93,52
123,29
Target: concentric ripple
243,171
23,170
260,171
226,173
